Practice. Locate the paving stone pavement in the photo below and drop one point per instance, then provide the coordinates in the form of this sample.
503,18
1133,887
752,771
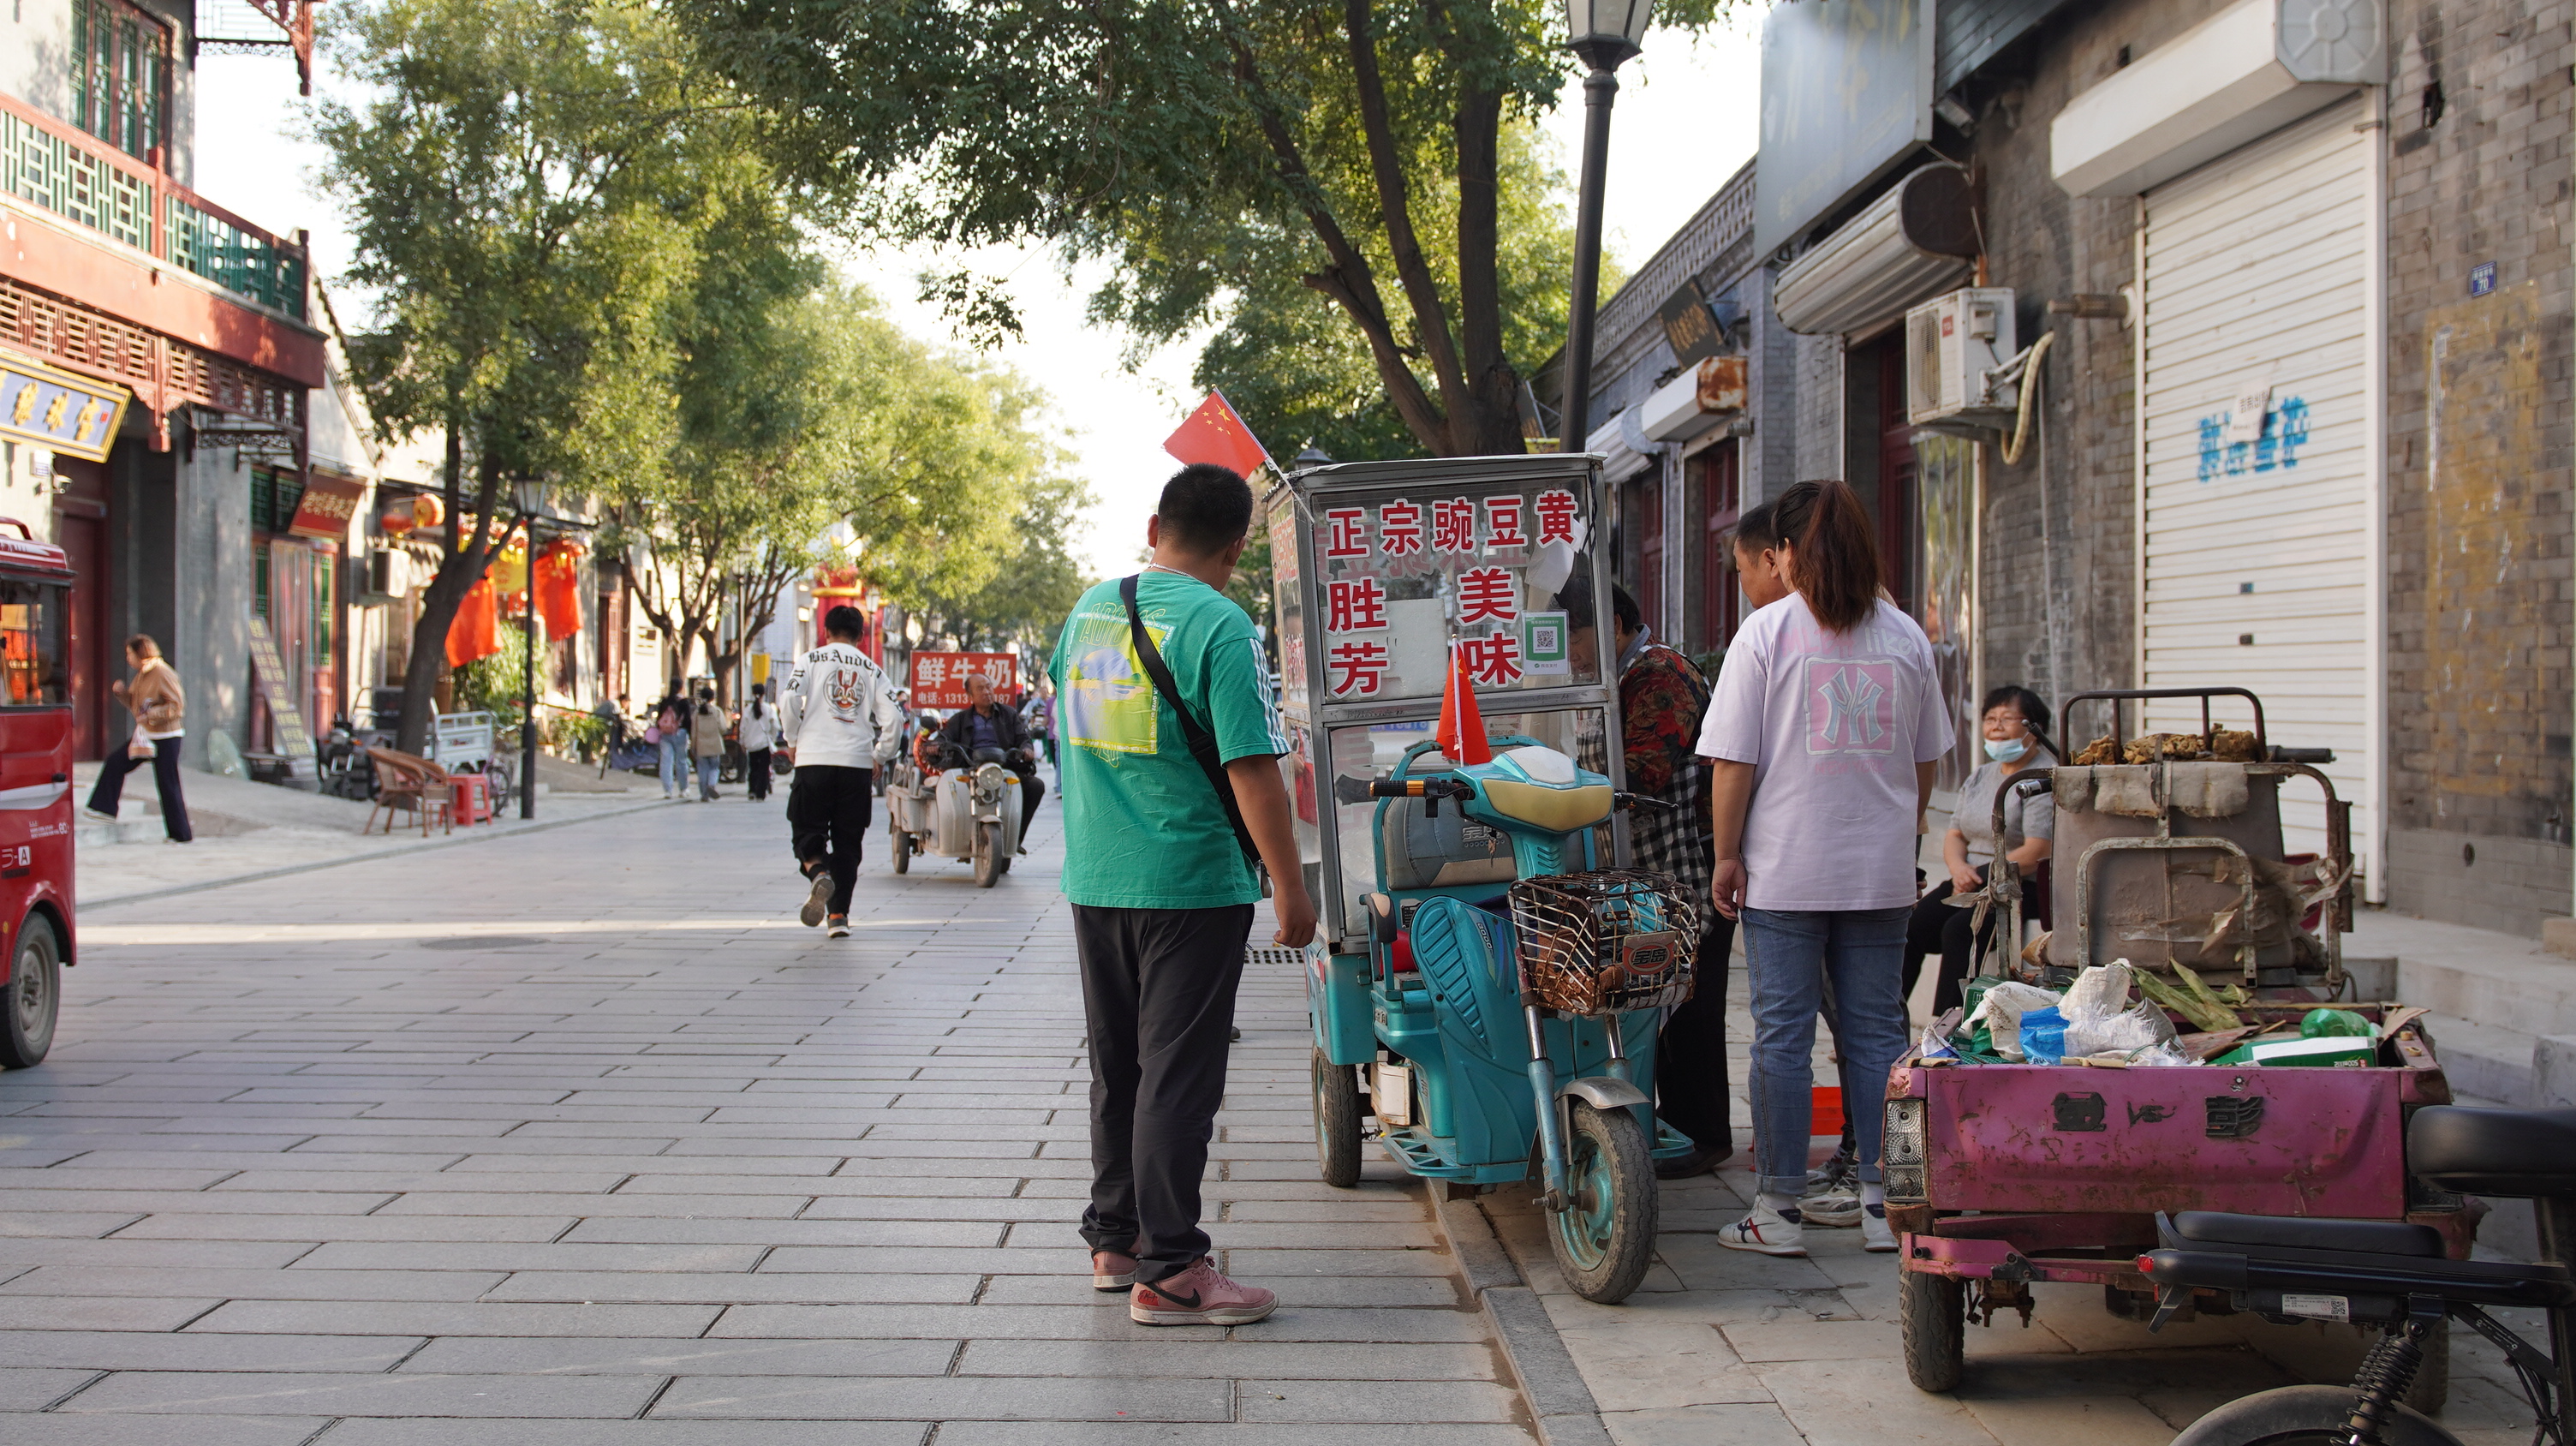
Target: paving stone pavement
577,1137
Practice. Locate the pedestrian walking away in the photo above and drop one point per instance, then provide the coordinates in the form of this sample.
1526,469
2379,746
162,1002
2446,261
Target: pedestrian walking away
758,733
1825,725
1039,714
839,715
2015,724
986,722
669,734
707,728
1662,698
159,706
1171,791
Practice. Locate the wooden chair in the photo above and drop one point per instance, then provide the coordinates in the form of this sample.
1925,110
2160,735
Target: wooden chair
409,781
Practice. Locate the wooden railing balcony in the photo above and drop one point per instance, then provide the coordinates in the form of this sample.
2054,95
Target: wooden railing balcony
83,179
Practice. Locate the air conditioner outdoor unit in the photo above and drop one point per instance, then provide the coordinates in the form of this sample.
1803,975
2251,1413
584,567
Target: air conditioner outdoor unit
387,574
1953,345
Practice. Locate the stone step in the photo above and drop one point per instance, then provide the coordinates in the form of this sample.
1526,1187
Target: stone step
2473,974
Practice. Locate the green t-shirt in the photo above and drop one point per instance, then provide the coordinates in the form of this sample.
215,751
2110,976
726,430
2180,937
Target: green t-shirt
1143,828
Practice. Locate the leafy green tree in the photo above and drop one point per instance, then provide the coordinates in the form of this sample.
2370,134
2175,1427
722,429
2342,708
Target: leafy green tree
1020,607
1372,151
526,185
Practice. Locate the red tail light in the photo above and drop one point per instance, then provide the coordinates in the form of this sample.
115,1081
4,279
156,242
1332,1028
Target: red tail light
2146,1265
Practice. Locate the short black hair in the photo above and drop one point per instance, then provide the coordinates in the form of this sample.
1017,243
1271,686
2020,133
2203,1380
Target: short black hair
2033,711
1757,528
845,621
1204,508
1580,612
1631,617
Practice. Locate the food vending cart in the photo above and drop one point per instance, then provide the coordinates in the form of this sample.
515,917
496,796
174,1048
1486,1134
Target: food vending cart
1487,982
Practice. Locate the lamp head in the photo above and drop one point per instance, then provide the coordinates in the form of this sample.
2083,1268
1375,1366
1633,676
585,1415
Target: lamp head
531,494
1607,32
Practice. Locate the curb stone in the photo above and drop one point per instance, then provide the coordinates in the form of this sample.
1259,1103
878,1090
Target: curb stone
510,829
1549,1382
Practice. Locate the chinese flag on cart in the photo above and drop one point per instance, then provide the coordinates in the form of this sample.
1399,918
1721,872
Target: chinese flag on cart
1215,434
1462,728
475,631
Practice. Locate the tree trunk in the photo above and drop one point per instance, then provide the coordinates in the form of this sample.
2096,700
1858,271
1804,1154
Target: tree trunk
459,568
1492,426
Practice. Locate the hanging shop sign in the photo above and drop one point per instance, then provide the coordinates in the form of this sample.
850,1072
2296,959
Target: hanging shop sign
328,504
1689,326
939,679
59,410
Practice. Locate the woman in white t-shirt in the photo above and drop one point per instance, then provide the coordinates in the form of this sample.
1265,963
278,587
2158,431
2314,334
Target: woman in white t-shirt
1824,725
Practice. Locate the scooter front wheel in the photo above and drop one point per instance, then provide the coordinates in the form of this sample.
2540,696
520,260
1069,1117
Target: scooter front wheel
1605,1236
988,854
902,852
1337,1123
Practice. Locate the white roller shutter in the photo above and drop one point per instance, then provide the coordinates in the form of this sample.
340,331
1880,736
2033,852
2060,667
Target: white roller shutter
2254,558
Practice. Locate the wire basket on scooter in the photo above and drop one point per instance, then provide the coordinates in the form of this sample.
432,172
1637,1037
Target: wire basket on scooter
1610,940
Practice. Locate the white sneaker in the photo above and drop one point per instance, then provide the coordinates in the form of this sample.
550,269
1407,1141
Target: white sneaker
1766,1231
1834,1208
1876,1235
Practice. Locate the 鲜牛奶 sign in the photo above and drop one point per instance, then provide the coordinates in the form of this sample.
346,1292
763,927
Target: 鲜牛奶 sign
57,409
939,679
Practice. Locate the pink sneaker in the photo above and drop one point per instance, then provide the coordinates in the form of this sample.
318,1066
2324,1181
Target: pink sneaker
1199,1296
1112,1270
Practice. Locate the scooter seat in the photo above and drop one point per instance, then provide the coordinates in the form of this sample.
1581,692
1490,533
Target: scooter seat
2368,1237
2522,1154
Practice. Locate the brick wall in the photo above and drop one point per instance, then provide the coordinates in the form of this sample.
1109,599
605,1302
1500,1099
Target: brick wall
2059,553
2477,575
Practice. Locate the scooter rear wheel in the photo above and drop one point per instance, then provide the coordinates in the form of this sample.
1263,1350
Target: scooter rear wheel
1605,1237
1337,1123
902,852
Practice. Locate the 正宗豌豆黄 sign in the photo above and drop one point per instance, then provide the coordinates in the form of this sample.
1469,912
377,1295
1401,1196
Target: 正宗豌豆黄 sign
328,504
1403,577
67,412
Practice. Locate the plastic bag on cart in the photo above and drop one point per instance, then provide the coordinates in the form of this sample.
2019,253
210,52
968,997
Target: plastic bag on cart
2001,1010
2043,1036
2100,1019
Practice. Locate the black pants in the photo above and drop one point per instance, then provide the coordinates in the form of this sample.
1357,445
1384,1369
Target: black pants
828,806
1158,997
165,773
756,772
1031,790
1951,933
1690,1064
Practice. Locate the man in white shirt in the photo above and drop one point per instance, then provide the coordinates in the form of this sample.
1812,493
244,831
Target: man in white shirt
839,715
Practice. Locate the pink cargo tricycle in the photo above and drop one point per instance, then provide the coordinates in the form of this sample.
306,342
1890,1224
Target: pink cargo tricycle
2002,1174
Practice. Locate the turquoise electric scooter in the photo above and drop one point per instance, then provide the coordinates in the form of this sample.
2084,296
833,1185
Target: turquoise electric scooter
1508,1007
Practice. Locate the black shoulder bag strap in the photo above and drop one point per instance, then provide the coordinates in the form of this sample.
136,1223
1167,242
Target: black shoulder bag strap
1202,742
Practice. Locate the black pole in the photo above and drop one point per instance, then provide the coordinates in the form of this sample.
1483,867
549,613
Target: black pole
528,715
1574,426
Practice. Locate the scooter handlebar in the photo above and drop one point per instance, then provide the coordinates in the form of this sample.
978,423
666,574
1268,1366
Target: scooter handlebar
1421,788
1639,800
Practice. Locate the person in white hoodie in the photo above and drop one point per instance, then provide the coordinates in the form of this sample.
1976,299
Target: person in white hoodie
838,715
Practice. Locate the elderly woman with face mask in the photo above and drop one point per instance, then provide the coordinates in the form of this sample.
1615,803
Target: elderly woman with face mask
2015,726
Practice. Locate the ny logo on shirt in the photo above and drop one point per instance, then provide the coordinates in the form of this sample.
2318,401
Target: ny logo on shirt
1851,705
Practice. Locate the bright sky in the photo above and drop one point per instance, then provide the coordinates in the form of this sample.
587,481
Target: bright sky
1686,119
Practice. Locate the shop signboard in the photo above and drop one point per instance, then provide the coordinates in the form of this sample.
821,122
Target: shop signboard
939,679
285,714
59,410
1846,98
328,503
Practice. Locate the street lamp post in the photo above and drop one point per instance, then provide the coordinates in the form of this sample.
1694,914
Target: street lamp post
1605,34
532,500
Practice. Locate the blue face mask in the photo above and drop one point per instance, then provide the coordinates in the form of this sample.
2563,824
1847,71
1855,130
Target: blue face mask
2006,750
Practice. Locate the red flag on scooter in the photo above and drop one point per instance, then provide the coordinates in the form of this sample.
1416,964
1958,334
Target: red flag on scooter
1461,735
1215,434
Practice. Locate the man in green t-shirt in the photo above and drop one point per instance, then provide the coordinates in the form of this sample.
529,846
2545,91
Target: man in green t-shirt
1162,891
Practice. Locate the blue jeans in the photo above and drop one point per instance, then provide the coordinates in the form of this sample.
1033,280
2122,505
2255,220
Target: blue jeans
707,777
1788,955
675,764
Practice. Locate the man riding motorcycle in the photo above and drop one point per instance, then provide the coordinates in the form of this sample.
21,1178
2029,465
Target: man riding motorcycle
986,723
